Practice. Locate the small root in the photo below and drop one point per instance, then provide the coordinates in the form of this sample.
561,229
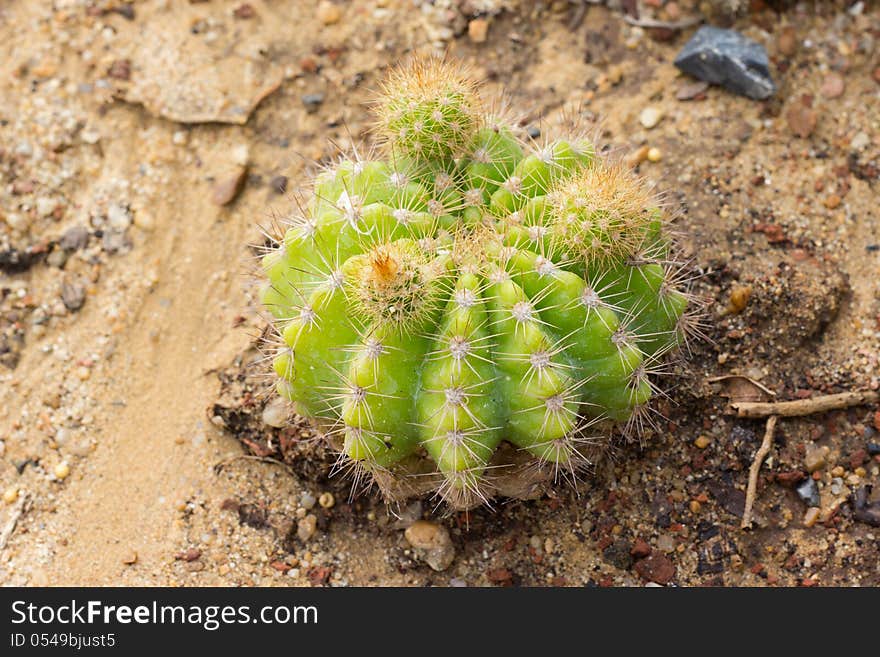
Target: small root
801,407
755,470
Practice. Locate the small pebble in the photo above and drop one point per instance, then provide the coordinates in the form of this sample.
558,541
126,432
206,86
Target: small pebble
860,141
312,102
73,295
276,413
278,184
306,527
57,258
787,43
811,516
144,220
240,155
433,543
328,13
691,90
832,86
118,216
702,442
244,11
650,117
478,30
61,471
831,202
46,206
130,558
227,189
74,238
808,491
307,500
815,458
638,156
654,154
739,299
326,500
10,495
801,120
120,69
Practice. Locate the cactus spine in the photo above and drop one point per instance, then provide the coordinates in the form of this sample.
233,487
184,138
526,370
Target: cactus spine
464,292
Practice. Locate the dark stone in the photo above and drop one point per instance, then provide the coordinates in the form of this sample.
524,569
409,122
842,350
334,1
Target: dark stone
731,499
742,440
13,261
710,559
656,568
790,478
278,184
706,530
809,492
873,449
640,549
729,59
618,555
74,239
313,102
865,511
533,131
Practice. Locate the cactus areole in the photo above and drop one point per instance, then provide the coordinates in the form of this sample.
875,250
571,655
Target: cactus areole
466,313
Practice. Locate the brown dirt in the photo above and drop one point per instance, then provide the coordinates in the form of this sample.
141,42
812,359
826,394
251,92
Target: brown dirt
145,391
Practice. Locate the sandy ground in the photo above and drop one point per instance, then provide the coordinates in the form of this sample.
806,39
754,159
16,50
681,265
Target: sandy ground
128,316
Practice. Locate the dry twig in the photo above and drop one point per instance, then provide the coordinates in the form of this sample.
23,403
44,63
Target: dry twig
18,511
755,470
805,406
669,25
218,467
727,377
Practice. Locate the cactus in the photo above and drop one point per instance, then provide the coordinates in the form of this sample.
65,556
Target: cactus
464,296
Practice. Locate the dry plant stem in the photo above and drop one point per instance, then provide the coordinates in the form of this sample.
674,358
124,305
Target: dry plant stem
756,469
17,512
727,377
669,25
218,467
805,406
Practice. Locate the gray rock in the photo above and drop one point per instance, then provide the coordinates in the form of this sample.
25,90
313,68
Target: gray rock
73,295
115,241
313,102
729,59
809,492
74,239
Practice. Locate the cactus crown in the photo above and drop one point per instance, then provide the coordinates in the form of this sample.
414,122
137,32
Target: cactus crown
465,309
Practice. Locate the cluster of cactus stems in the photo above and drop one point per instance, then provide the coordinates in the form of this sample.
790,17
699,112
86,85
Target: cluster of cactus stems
465,292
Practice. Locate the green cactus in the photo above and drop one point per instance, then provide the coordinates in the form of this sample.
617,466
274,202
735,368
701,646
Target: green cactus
463,291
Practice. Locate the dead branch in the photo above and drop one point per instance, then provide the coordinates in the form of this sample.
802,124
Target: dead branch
727,377
755,470
669,25
800,407
18,511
